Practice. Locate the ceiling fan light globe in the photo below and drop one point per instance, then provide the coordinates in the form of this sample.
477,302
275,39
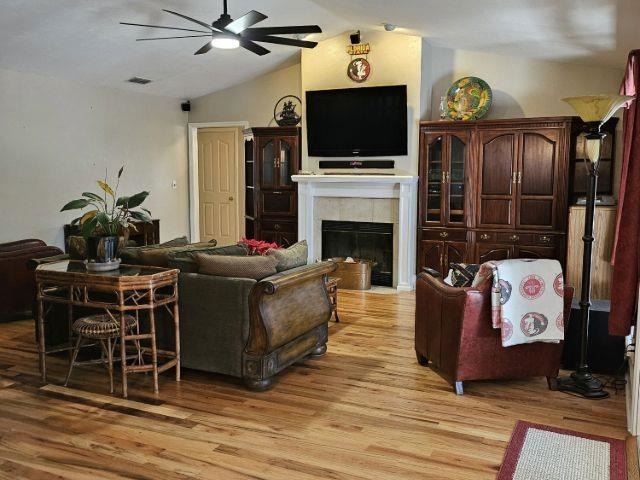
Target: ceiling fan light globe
225,43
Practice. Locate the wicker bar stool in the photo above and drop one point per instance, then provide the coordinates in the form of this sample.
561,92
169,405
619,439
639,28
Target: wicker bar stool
101,327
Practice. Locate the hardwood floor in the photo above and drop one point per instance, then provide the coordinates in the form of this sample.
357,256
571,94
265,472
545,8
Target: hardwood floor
366,410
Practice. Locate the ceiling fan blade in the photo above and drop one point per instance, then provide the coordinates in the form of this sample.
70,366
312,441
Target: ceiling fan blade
285,30
245,21
253,47
166,28
204,49
206,25
283,41
168,38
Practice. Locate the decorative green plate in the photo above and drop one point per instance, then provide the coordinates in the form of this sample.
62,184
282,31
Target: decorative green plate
469,98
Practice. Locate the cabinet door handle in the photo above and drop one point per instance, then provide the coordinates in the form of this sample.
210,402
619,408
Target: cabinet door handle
515,238
545,239
276,226
514,177
231,199
484,236
277,192
448,177
444,234
444,177
519,177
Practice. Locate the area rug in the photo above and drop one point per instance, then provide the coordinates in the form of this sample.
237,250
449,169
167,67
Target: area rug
539,452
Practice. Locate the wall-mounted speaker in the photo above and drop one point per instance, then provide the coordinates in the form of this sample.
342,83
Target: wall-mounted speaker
186,106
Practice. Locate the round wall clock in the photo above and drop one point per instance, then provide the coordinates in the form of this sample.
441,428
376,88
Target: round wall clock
358,69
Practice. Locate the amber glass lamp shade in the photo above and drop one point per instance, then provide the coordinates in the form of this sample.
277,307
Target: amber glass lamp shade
595,110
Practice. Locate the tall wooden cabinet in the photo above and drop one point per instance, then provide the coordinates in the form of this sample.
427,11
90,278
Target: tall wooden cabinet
272,155
494,189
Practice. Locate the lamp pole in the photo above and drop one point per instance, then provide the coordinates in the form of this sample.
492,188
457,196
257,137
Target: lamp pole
581,381
594,110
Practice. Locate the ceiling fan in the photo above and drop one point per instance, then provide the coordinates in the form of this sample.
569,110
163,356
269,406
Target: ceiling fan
228,33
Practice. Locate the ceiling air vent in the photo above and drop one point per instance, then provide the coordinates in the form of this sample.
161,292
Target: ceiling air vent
139,80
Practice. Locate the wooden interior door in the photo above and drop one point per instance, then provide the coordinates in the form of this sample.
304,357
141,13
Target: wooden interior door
218,184
537,179
497,178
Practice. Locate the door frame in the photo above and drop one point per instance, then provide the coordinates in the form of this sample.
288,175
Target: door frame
194,190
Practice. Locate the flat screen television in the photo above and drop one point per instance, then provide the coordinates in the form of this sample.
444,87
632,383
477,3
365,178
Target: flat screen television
357,122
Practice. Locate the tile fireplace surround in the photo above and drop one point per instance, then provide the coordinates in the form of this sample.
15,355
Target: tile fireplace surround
368,198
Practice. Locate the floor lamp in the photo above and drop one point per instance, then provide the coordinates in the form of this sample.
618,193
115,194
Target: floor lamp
594,110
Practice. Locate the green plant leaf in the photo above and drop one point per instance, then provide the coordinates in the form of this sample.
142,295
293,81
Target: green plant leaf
137,199
146,210
92,196
120,171
105,186
76,220
140,216
122,201
88,216
89,227
75,204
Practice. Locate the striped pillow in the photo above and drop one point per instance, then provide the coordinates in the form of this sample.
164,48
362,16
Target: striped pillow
256,267
294,256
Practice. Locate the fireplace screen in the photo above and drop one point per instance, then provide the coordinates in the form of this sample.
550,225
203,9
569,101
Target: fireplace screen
366,240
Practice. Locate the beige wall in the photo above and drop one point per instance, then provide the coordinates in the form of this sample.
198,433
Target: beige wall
395,60
251,101
521,87
57,138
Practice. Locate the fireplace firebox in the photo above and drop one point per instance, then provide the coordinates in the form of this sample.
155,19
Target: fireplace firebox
366,240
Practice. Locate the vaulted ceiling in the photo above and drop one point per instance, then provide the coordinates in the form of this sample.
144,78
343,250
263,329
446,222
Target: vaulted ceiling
83,40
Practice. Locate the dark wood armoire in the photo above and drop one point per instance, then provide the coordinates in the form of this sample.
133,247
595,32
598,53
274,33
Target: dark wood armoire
494,189
272,155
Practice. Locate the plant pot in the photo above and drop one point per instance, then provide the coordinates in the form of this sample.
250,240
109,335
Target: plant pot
102,253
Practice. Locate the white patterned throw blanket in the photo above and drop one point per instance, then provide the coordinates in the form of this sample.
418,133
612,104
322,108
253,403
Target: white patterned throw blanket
527,300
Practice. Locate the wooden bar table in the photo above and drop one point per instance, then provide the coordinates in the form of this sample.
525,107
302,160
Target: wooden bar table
131,289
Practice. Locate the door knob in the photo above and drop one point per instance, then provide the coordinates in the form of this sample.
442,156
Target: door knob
231,199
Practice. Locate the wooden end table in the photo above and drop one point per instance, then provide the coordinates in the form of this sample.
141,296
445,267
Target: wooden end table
332,291
130,290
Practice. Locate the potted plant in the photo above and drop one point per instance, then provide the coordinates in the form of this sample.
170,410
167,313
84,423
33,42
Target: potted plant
110,218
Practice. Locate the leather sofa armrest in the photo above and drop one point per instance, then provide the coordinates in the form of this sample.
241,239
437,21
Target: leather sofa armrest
286,305
34,263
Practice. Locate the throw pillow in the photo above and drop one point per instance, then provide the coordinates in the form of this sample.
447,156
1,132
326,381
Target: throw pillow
256,267
462,274
134,256
294,256
185,260
176,242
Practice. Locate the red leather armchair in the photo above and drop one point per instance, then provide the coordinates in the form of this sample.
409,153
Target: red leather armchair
454,335
17,281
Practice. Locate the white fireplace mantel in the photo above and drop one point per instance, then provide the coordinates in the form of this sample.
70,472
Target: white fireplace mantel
402,187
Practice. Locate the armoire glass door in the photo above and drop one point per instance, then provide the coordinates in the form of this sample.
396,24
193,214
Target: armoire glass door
455,180
284,163
435,180
269,164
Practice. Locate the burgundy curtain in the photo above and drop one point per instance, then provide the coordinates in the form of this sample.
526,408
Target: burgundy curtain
625,260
